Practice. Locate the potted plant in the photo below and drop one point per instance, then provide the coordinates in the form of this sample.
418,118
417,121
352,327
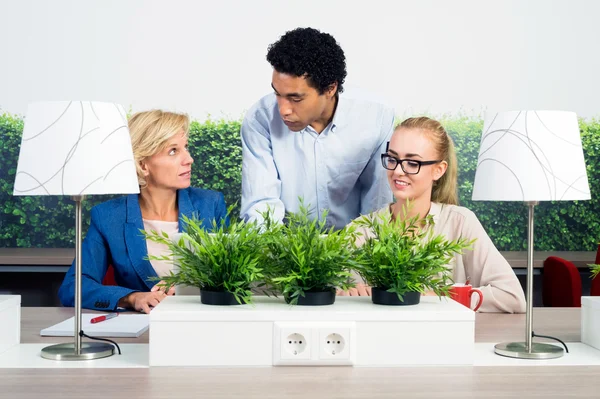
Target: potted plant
223,263
402,259
306,261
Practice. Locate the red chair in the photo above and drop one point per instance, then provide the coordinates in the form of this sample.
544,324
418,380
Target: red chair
109,277
595,288
561,283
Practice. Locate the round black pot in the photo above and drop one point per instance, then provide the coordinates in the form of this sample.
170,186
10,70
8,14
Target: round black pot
381,297
315,298
217,298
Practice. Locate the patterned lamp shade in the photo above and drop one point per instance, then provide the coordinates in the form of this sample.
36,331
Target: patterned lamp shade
75,148
531,156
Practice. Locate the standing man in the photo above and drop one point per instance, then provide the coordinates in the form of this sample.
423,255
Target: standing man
309,140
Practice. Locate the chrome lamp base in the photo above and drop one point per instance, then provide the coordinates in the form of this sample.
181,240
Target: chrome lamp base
89,351
538,350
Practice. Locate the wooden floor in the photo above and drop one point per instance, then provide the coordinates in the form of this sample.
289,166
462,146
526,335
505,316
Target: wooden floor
304,383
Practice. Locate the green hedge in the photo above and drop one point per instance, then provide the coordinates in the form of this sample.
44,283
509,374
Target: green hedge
215,146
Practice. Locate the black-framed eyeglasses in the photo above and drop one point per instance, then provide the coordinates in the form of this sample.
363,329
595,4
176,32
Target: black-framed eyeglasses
409,166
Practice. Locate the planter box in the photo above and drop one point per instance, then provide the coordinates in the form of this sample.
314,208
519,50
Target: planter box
10,321
590,321
353,331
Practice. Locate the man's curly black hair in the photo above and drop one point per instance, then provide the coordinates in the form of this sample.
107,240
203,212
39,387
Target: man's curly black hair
311,53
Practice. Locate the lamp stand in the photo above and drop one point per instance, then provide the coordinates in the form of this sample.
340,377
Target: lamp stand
78,350
529,349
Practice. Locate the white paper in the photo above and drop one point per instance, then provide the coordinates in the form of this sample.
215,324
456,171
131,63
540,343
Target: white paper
124,326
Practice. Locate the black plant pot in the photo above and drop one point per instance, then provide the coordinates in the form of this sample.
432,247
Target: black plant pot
381,297
217,298
315,298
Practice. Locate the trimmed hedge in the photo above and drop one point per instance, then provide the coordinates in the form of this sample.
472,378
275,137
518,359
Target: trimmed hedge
217,151
215,146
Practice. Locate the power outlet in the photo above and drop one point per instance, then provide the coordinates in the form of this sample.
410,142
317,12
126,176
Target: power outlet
294,345
291,343
337,342
314,343
333,345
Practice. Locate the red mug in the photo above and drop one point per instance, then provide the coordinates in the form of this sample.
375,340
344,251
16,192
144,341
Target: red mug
462,293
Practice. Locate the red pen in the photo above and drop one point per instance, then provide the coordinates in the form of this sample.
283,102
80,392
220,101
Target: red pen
102,318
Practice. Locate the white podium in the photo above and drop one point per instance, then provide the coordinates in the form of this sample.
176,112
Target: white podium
590,321
353,331
10,321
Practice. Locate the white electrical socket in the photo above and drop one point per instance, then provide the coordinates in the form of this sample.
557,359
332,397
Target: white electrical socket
333,345
314,343
337,343
291,342
295,345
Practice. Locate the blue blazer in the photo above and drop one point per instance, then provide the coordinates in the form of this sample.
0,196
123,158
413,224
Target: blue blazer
114,238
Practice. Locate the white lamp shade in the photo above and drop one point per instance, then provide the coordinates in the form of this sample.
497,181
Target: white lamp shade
531,156
75,148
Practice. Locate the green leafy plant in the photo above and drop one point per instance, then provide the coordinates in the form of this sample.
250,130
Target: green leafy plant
223,260
304,255
404,256
595,269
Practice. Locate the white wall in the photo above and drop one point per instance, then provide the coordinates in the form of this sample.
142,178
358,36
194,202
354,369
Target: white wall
208,57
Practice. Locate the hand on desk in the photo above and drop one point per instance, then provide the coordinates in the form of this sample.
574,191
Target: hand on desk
359,290
142,301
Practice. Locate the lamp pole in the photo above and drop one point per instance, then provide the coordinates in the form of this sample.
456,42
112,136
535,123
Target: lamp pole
78,350
529,349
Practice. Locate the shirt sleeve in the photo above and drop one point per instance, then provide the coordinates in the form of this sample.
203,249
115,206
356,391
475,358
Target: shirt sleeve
490,272
261,186
376,192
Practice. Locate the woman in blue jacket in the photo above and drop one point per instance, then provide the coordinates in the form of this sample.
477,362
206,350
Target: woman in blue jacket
160,148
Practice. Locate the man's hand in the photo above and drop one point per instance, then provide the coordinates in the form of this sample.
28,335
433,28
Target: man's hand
360,290
142,301
158,288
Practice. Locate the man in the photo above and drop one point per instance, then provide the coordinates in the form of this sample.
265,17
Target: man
308,140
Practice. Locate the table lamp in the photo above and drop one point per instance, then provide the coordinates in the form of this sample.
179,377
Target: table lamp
530,156
76,149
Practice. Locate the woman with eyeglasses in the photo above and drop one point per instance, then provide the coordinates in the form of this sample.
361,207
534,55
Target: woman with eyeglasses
421,167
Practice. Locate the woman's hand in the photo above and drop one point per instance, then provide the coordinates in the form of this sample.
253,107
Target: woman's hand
142,301
158,287
359,290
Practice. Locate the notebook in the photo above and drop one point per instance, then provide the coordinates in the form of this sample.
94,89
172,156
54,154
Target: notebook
124,325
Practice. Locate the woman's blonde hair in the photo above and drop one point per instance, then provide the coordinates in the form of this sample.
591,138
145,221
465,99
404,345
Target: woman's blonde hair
150,133
444,190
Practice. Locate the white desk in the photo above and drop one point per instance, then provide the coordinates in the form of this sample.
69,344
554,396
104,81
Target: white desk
314,382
